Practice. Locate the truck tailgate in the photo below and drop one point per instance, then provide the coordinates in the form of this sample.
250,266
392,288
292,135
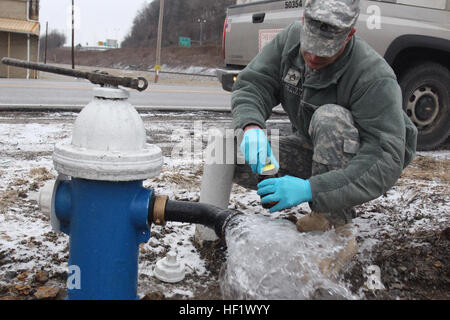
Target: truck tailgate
251,26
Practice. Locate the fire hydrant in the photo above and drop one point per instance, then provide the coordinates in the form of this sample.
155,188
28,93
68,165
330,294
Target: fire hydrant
99,199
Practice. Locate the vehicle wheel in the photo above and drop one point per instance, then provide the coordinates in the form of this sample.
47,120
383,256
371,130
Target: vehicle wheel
426,101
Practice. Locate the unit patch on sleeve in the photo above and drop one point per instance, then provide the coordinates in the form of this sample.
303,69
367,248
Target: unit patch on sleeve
292,77
291,82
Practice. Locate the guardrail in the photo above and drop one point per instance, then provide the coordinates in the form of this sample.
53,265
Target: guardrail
183,73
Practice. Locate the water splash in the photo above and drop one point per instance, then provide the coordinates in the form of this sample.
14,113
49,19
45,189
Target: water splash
270,259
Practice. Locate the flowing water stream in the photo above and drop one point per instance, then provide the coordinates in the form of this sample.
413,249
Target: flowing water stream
270,259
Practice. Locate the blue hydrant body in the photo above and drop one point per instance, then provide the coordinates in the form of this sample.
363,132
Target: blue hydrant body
99,199
106,222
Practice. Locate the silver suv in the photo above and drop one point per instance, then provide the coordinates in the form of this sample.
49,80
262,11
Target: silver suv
412,35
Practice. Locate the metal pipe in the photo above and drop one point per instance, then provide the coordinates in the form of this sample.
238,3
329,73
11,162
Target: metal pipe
28,55
38,57
159,40
73,35
219,166
139,84
9,54
191,212
46,41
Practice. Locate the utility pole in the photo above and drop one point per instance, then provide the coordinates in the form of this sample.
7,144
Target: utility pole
46,41
158,44
73,35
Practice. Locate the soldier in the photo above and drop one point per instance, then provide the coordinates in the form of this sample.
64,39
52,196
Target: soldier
351,139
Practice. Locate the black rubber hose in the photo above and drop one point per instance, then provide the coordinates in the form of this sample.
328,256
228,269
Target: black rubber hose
199,213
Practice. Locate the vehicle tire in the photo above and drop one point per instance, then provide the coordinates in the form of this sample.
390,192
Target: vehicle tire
426,101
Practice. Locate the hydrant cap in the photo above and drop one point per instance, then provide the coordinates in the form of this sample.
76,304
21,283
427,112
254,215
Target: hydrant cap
109,125
169,269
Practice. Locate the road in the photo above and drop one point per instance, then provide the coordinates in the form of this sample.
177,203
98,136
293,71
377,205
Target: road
78,92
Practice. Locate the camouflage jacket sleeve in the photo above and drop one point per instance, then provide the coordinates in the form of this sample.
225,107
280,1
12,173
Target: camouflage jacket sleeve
378,115
257,88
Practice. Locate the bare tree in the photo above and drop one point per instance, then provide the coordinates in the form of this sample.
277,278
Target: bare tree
180,20
54,40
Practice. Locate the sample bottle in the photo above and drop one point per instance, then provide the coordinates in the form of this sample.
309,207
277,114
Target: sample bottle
269,171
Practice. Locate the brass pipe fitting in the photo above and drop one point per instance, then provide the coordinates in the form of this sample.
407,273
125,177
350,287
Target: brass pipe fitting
158,210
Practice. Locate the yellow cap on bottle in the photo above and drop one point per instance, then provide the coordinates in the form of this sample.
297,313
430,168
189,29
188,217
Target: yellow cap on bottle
269,169
269,166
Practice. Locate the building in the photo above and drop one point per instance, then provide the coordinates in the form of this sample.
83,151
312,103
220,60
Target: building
19,35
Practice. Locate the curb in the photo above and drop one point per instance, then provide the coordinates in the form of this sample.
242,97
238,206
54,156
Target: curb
78,108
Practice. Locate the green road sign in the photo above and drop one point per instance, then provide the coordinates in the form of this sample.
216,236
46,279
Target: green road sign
184,42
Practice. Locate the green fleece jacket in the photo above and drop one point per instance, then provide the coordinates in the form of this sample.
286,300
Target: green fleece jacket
359,80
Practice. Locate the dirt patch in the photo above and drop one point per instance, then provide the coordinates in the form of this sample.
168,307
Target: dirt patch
207,56
204,286
426,168
8,198
180,179
19,188
27,287
41,174
415,266
411,245
214,254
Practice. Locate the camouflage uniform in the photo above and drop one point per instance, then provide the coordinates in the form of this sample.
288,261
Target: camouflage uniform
327,24
350,154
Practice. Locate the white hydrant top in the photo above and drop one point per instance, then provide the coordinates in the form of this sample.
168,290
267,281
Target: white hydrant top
108,142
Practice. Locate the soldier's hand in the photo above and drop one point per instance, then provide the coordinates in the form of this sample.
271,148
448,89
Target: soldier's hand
287,191
256,149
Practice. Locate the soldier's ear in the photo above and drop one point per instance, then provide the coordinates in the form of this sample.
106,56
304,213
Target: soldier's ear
350,35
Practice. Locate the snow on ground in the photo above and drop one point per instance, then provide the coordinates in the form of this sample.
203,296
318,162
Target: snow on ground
418,203
191,69
27,147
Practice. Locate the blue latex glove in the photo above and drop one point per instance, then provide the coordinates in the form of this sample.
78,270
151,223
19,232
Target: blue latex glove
256,149
287,191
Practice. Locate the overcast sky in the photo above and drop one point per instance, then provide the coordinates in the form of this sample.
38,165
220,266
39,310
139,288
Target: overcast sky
98,20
